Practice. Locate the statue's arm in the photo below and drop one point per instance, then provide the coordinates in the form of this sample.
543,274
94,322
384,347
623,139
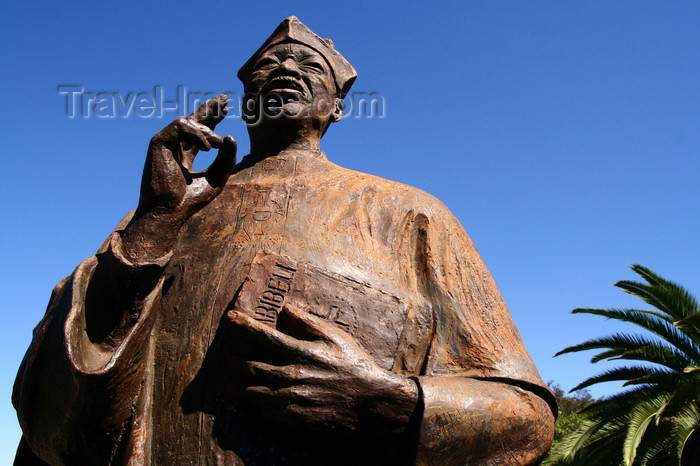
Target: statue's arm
472,421
77,388
170,195
482,399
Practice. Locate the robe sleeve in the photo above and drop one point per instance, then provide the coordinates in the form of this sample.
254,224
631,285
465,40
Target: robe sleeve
483,400
82,374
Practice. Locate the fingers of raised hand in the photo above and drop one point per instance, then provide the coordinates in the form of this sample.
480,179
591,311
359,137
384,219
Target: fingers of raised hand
220,169
211,112
198,134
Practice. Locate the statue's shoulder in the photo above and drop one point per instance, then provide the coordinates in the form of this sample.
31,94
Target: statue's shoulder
401,196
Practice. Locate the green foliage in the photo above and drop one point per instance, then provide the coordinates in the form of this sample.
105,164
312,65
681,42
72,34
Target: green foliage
655,421
569,418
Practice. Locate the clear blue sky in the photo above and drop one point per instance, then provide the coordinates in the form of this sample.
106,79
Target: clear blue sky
565,136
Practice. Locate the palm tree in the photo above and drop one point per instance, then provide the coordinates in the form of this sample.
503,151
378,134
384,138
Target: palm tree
656,420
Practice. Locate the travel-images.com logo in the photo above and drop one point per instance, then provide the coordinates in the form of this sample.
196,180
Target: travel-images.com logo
80,103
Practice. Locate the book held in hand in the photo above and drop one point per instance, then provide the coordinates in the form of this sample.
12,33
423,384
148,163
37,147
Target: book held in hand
375,318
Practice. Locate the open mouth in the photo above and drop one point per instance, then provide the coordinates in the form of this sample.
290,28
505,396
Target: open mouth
284,83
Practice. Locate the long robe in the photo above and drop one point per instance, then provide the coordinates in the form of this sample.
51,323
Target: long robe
149,390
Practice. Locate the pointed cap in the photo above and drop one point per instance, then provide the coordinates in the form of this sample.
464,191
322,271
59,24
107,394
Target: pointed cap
293,30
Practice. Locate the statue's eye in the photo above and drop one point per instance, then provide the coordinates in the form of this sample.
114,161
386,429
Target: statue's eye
266,62
313,66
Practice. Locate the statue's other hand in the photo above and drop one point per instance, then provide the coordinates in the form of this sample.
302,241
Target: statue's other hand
315,375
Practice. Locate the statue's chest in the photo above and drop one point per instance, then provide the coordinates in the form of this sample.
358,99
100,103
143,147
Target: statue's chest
263,204
271,238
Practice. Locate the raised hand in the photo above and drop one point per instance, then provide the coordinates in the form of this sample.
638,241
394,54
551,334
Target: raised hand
170,191
314,375
208,114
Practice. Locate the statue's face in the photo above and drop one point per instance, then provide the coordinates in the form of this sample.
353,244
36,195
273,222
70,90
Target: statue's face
296,75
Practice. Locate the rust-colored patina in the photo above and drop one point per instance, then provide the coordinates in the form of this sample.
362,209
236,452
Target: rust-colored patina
283,310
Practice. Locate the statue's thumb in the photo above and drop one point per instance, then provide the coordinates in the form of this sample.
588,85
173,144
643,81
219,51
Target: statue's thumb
220,169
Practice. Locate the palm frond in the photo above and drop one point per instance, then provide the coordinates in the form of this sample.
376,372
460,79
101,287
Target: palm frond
594,442
690,325
640,417
658,354
686,422
580,438
616,340
656,280
632,347
678,300
656,422
649,276
647,294
632,375
663,294
623,314
666,379
621,404
657,448
657,324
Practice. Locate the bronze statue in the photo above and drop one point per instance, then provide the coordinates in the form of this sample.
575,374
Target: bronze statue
283,310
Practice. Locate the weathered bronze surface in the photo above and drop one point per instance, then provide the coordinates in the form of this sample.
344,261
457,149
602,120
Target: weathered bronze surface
283,310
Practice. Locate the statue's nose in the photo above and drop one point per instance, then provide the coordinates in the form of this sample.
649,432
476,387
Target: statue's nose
289,65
